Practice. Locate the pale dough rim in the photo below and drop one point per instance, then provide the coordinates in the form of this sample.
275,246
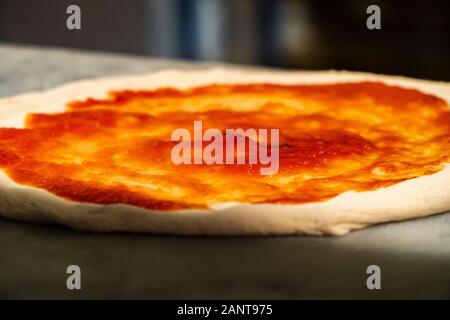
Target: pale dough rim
349,211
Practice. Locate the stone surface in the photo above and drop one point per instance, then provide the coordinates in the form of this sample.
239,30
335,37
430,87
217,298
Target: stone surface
414,256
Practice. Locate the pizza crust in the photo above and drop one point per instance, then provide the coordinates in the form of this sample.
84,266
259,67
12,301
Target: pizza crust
349,211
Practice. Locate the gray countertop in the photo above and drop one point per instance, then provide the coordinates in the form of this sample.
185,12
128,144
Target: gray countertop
414,256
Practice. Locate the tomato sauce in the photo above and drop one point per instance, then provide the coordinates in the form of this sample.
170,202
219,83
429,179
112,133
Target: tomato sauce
333,138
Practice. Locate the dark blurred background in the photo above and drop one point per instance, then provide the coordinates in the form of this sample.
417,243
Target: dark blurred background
306,34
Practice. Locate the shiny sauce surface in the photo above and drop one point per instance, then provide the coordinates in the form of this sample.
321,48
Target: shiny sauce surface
333,138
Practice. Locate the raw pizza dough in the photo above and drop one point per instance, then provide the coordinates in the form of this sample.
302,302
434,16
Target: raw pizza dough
349,211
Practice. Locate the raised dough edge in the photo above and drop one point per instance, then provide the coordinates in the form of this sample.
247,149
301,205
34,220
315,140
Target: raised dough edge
349,211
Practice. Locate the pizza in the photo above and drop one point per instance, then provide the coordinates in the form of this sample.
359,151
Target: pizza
350,150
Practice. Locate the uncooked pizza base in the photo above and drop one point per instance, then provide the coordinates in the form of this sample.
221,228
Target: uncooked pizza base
349,211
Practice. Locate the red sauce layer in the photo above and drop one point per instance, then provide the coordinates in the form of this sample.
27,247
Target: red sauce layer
333,138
